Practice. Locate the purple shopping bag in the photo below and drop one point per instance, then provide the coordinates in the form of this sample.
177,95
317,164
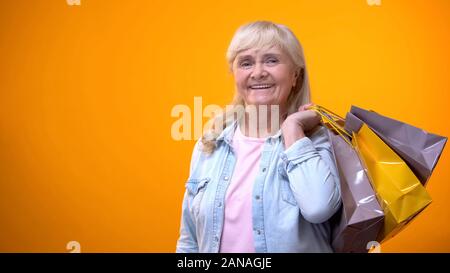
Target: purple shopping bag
361,217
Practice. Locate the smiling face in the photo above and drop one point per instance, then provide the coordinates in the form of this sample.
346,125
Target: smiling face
264,76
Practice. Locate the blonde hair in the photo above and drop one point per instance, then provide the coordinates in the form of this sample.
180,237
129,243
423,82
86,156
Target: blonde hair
261,34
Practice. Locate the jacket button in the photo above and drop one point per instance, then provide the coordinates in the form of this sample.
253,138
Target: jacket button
225,178
257,197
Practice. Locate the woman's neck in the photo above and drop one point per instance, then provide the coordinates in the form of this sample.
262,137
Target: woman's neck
261,122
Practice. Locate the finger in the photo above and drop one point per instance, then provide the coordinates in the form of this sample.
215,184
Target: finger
309,105
305,106
316,116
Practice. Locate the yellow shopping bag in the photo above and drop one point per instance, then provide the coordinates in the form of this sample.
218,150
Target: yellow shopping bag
399,191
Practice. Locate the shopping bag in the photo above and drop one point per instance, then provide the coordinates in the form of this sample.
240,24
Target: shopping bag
419,149
360,218
399,191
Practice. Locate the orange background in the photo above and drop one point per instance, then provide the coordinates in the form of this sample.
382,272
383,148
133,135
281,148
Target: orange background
86,93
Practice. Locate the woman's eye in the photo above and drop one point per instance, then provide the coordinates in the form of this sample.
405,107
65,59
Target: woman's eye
245,64
272,61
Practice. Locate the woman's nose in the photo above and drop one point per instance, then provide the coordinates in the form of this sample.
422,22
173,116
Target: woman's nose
258,72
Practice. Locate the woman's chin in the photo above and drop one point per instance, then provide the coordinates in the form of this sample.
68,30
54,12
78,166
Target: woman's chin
261,102
261,97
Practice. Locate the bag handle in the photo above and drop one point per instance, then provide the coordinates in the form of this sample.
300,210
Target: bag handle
331,117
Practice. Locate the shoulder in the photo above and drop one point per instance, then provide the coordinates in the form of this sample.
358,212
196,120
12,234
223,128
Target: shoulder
201,160
197,152
319,137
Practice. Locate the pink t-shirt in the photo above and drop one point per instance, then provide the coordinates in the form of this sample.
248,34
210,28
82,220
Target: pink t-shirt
237,234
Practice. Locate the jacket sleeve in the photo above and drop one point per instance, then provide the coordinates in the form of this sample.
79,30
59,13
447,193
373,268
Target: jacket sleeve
187,241
313,178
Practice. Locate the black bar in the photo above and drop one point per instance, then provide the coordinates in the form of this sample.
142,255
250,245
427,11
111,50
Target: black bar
171,262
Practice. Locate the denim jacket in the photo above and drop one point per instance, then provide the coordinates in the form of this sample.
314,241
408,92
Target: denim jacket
295,193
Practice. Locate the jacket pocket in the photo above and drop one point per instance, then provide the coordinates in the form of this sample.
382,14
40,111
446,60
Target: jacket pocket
286,193
196,189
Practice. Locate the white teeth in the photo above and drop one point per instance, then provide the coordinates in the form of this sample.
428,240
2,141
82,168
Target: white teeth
261,86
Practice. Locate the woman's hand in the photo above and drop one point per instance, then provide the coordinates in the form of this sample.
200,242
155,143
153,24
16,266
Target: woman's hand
297,124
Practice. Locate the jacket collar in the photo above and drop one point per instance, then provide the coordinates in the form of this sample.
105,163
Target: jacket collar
228,134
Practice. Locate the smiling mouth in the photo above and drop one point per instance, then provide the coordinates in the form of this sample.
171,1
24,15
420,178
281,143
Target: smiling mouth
261,86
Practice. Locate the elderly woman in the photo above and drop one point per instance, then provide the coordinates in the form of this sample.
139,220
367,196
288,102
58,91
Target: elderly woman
270,190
